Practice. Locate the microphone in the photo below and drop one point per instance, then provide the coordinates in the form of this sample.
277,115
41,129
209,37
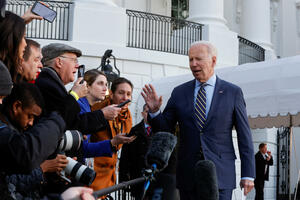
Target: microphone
160,150
206,180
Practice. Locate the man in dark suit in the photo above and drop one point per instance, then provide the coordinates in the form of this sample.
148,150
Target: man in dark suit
206,109
263,159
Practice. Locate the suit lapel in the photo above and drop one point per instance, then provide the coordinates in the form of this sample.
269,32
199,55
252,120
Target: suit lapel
218,92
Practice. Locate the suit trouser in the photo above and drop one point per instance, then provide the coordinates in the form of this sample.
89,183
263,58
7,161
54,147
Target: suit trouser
191,194
259,189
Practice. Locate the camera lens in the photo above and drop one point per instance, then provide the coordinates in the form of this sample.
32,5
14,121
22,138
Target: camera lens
80,172
71,141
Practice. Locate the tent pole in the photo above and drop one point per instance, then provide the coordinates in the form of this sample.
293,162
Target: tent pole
289,164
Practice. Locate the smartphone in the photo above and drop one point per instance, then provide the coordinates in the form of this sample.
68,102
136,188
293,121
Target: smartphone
42,10
81,70
124,103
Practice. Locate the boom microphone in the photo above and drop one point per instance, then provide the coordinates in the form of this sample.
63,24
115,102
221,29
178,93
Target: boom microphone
160,150
206,180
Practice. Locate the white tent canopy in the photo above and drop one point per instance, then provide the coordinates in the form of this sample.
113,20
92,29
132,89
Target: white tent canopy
271,90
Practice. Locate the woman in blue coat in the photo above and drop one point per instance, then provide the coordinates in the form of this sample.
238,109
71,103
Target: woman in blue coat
97,88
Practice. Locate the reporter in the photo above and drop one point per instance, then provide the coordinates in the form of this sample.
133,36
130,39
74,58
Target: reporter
97,88
106,167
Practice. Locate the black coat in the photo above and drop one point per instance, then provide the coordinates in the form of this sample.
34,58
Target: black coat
261,163
132,160
58,99
21,153
133,155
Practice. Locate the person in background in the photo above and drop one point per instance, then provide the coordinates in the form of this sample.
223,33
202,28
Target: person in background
132,161
31,63
263,159
121,90
132,164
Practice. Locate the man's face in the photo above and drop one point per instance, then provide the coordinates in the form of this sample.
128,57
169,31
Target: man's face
122,93
201,63
145,113
68,65
263,150
32,66
24,117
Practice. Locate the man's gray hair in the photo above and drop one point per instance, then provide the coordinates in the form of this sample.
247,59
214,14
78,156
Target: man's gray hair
212,50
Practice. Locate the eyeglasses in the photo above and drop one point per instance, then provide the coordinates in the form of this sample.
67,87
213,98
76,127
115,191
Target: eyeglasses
75,60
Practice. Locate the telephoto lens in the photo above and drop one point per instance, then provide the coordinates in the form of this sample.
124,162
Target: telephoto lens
80,172
71,141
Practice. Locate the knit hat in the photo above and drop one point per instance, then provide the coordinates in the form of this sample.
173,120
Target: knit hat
5,80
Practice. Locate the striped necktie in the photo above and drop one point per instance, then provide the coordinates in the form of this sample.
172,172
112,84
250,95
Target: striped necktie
200,107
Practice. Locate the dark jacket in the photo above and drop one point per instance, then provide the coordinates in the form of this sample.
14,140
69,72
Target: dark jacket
58,99
260,164
25,186
21,153
132,160
227,109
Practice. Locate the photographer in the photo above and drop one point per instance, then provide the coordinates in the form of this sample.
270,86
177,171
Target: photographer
33,147
18,113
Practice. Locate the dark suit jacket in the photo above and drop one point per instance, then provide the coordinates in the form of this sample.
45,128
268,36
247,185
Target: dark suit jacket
260,164
227,110
58,99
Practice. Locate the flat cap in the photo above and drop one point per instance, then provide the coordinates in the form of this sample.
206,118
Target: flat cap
5,80
54,50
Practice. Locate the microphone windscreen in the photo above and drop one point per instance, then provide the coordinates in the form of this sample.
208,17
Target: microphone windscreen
206,180
160,149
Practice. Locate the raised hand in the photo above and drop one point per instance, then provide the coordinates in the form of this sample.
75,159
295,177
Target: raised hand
29,16
151,98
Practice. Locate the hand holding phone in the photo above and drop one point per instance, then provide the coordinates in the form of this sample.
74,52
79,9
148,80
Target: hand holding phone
124,103
44,11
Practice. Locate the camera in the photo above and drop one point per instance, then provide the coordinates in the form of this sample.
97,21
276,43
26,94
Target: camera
72,141
80,172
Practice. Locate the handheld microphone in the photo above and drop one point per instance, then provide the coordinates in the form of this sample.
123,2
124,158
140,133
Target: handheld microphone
206,180
160,150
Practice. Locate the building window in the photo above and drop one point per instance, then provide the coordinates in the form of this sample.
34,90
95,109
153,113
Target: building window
180,9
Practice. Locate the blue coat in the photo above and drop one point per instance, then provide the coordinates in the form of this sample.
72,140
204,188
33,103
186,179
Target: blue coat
227,110
95,149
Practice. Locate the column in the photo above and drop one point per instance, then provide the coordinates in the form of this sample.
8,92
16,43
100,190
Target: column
209,12
255,23
99,22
